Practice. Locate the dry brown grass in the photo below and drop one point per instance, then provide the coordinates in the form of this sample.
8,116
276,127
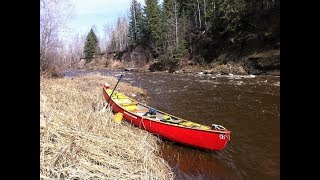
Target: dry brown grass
78,141
116,65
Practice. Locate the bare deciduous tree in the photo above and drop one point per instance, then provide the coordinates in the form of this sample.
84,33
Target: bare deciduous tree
53,16
118,35
174,26
199,11
75,50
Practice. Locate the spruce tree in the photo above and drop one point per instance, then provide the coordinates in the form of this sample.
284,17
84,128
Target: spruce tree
136,24
230,12
166,9
91,45
154,23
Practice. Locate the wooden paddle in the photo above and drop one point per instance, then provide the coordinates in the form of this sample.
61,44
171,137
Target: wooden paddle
105,106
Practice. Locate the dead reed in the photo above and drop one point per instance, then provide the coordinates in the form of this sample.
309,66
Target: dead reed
78,141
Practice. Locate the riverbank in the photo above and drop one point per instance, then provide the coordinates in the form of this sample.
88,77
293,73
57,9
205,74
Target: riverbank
77,140
263,63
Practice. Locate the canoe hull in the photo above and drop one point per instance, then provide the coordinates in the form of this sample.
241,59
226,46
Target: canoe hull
216,140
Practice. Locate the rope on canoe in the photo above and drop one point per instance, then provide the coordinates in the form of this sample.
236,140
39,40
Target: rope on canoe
218,127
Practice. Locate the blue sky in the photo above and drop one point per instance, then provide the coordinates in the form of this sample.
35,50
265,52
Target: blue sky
97,12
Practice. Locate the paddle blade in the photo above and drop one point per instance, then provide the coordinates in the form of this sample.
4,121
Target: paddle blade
104,108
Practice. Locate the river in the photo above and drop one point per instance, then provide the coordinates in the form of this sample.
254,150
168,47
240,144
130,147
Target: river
248,106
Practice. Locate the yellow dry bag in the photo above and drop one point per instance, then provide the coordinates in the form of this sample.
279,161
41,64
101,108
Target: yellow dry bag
118,117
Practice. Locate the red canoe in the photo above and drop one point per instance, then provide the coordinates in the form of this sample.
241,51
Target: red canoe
165,125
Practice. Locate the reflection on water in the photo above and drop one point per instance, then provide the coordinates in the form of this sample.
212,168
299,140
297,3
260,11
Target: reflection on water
185,162
249,106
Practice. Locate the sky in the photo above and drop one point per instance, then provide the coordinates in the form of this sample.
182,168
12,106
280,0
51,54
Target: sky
88,13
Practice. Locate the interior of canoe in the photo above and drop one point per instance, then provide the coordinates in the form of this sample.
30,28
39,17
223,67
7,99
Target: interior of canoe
152,113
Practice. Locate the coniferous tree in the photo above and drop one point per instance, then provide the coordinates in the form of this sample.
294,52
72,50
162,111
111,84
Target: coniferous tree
154,23
229,13
136,24
165,13
91,45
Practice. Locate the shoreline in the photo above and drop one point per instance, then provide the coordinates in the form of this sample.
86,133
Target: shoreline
264,63
77,140
196,71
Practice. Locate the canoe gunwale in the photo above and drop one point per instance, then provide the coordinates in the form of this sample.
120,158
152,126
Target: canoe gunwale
158,121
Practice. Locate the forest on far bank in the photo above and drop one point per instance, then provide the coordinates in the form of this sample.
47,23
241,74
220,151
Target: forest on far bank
173,33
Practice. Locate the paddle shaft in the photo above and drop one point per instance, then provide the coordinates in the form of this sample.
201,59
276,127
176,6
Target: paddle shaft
113,90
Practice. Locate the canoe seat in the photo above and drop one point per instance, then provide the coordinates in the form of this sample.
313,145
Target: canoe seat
128,104
140,111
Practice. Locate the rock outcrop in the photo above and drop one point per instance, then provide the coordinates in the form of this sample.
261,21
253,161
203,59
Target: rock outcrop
263,63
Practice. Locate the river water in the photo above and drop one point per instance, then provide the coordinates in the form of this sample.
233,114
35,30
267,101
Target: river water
248,106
